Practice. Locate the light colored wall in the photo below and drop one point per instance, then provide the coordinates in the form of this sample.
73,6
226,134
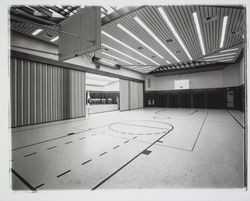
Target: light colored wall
21,40
242,71
233,75
211,79
111,87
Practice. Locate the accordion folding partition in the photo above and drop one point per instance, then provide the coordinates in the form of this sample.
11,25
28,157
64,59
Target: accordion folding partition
43,93
131,95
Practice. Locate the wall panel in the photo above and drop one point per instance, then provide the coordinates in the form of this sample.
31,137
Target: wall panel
42,93
124,95
132,95
135,95
140,94
19,90
13,88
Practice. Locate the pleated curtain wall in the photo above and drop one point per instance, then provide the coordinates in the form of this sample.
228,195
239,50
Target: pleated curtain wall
43,93
131,95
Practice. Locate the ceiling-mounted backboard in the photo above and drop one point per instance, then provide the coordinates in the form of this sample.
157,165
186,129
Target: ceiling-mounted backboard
80,33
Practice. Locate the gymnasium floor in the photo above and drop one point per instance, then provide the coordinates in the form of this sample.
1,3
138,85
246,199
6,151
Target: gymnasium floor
145,148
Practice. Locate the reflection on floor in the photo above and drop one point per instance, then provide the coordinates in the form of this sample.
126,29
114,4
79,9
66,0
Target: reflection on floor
146,148
93,109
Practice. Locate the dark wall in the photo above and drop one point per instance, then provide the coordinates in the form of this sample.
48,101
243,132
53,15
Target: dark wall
104,95
215,98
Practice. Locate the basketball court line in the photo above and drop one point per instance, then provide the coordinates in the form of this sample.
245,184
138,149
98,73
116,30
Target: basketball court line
139,125
169,146
64,136
143,126
168,130
86,162
65,143
63,173
157,112
200,131
162,145
23,180
103,153
91,159
51,147
151,144
71,170
119,169
30,154
235,119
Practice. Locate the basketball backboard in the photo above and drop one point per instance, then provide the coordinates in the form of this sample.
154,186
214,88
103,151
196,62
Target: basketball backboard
80,33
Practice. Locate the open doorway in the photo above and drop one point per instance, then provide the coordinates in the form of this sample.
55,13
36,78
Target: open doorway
102,94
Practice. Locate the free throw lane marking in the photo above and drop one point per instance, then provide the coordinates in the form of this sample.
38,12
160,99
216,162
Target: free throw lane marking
63,173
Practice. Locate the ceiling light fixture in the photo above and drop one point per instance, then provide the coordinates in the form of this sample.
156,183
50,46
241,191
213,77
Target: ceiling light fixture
221,55
229,50
116,58
127,46
223,32
36,32
123,53
138,39
155,37
170,25
198,29
144,68
168,62
225,60
54,39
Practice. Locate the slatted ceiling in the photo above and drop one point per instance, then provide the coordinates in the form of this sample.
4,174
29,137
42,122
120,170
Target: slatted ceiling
195,50
153,20
147,19
208,28
111,52
114,60
136,29
203,26
216,27
124,37
165,35
240,47
181,24
181,18
139,32
132,26
236,26
123,49
231,18
207,31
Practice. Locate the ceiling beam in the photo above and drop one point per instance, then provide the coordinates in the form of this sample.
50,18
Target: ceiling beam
26,10
43,10
191,70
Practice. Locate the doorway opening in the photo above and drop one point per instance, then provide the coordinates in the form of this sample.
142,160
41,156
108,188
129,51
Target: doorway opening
102,94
